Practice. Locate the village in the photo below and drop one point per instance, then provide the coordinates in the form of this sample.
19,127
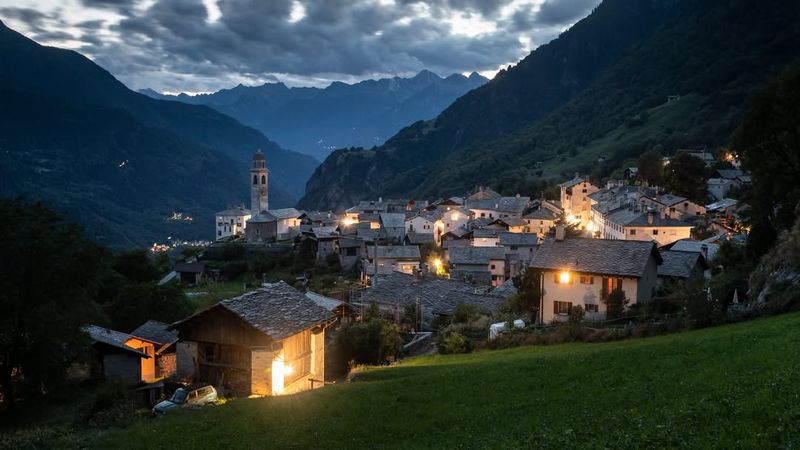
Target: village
596,254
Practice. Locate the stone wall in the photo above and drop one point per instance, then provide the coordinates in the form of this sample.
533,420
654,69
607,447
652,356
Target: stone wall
186,359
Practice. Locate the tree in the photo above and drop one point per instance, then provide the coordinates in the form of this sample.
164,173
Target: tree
651,167
528,296
686,175
48,273
137,303
616,303
768,142
135,265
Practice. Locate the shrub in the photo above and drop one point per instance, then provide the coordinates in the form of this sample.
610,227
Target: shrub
369,341
234,269
464,313
616,303
453,343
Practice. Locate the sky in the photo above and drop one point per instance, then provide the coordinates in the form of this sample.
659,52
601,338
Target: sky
205,45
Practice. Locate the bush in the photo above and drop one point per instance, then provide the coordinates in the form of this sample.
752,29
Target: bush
464,313
262,264
616,303
453,343
369,341
234,269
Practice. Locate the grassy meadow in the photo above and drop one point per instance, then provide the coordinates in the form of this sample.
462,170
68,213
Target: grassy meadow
733,386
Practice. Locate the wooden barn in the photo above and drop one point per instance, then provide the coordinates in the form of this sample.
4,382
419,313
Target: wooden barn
269,341
117,356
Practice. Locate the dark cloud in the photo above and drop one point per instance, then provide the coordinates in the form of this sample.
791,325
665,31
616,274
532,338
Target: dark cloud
179,45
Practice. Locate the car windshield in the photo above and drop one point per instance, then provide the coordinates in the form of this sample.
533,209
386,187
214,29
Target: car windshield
179,396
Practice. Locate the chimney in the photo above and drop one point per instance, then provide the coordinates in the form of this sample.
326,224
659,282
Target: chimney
561,233
704,251
651,215
517,194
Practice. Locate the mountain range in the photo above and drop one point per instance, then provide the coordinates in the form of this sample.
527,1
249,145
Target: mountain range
591,100
118,162
316,121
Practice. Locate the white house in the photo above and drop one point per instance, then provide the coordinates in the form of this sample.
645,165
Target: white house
393,226
288,222
232,222
634,224
497,208
582,271
486,237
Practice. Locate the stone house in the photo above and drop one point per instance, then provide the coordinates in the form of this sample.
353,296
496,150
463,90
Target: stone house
584,271
270,341
478,264
393,226
164,343
118,356
391,258
262,228
351,252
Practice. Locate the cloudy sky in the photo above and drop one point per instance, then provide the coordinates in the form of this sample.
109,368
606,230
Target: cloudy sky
206,45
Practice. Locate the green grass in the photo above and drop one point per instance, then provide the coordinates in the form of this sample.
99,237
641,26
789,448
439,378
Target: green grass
736,386
211,293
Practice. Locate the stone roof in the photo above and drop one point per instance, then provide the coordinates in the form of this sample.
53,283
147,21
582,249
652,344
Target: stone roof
238,212
346,242
516,205
116,339
596,256
415,238
156,332
322,216
729,174
483,193
475,255
395,252
437,295
262,217
486,233
393,220
725,203
285,213
325,232
572,182
276,309
368,205
635,217
459,232
512,221
669,199
690,245
505,290
450,243
518,239
326,302
540,214
679,264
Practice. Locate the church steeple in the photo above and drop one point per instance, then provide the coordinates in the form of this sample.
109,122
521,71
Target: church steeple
259,189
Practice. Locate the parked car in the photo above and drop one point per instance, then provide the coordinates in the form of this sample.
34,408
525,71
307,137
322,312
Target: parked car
195,396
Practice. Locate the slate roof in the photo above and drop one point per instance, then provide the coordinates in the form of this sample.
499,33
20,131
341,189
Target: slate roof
483,193
346,242
669,199
540,214
450,243
116,339
437,295
485,233
689,245
285,213
325,232
475,255
276,309
512,221
262,217
679,264
458,233
415,238
155,331
395,252
572,182
505,290
514,205
325,217
725,203
518,239
326,302
234,212
637,218
393,220
596,256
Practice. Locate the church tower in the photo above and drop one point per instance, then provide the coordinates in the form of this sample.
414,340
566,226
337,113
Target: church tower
259,191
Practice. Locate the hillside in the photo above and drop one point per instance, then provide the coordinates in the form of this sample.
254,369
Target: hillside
544,80
715,69
727,387
314,120
68,126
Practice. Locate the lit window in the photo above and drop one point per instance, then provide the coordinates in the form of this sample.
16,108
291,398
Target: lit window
587,279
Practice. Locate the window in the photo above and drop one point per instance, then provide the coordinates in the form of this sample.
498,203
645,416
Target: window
483,214
513,247
632,232
255,179
655,232
562,307
587,279
263,179
219,232
590,307
350,251
609,286
427,226
562,278
492,266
